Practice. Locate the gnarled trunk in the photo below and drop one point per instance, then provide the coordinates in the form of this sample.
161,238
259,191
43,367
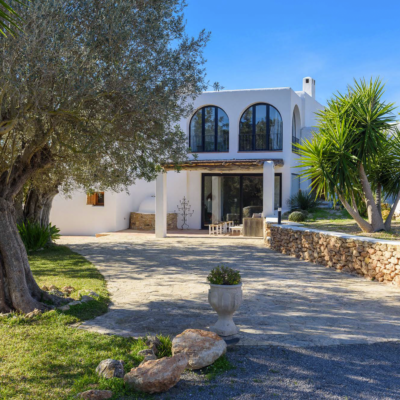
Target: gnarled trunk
18,289
38,204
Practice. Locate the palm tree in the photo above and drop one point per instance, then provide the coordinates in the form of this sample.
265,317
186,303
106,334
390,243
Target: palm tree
9,18
355,152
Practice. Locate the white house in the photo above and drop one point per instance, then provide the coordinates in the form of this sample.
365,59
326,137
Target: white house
245,164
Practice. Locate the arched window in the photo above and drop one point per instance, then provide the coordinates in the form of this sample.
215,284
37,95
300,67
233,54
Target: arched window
260,129
295,132
209,130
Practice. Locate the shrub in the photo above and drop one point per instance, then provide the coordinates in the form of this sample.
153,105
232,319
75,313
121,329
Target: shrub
303,201
385,214
224,276
35,237
297,216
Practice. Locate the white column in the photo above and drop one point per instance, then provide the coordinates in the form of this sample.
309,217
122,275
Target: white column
161,205
268,189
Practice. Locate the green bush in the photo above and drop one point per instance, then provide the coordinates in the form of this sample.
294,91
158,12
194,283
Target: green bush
297,216
224,276
303,201
35,237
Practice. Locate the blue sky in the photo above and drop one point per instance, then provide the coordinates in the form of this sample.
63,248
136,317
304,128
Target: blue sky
265,43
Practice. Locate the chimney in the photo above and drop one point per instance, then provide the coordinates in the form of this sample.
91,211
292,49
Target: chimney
309,86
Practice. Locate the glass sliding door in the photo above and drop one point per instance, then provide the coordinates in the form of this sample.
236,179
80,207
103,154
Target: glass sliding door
252,195
221,199
232,197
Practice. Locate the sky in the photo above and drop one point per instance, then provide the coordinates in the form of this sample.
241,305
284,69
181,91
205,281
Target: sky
267,43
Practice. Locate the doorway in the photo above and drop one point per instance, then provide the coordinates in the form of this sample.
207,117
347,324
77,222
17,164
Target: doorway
232,197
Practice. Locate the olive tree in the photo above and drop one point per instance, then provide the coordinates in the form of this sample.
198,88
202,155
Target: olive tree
100,80
355,152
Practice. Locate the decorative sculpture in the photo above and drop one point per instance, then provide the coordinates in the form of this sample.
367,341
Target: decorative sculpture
185,211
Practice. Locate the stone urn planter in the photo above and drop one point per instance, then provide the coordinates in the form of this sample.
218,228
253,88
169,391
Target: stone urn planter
225,299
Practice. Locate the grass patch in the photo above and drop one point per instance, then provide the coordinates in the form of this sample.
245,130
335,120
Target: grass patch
43,357
219,367
165,347
341,221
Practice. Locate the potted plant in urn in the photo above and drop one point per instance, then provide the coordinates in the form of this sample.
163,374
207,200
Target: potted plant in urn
225,297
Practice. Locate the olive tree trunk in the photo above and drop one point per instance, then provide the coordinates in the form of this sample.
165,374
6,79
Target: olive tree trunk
38,204
18,289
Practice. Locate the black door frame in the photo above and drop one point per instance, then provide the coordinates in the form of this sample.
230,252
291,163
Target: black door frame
241,191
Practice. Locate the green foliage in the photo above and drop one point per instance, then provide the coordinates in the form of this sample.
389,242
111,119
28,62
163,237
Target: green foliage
224,276
54,232
9,18
165,347
220,366
35,237
303,201
352,129
297,216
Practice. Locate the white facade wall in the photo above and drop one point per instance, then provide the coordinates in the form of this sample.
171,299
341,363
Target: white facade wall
74,217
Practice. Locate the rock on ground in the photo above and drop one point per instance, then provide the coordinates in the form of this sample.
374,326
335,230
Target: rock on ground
153,343
110,369
95,395
201,347
157,376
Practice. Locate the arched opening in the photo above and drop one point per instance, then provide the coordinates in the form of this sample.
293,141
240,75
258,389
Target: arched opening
295,129
261,128
209,130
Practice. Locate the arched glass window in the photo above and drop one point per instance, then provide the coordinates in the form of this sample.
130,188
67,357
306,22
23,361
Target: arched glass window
260,129
295,135
209,130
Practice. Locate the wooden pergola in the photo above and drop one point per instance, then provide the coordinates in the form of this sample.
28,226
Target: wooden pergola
224,165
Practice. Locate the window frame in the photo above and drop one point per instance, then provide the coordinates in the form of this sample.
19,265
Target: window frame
295,139
253,127
203,130
93,199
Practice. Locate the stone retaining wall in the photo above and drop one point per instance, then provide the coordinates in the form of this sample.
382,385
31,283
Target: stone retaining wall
374,259
147,222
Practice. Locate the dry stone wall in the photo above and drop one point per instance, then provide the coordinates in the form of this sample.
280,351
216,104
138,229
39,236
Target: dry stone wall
147,222
374,259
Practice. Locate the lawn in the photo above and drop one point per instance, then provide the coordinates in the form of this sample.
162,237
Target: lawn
340,221
45,358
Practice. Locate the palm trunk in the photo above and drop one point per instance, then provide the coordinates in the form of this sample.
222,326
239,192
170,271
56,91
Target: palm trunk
361,222
388,222
378,196
374,217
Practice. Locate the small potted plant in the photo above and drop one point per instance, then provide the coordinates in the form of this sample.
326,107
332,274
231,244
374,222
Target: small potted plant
225,297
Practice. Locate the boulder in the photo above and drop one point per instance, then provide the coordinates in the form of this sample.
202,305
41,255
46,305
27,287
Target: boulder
93,294
64,308
75,303
153,342
33,314
68,289
110,369
95,395
201,347
157,376
85,299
